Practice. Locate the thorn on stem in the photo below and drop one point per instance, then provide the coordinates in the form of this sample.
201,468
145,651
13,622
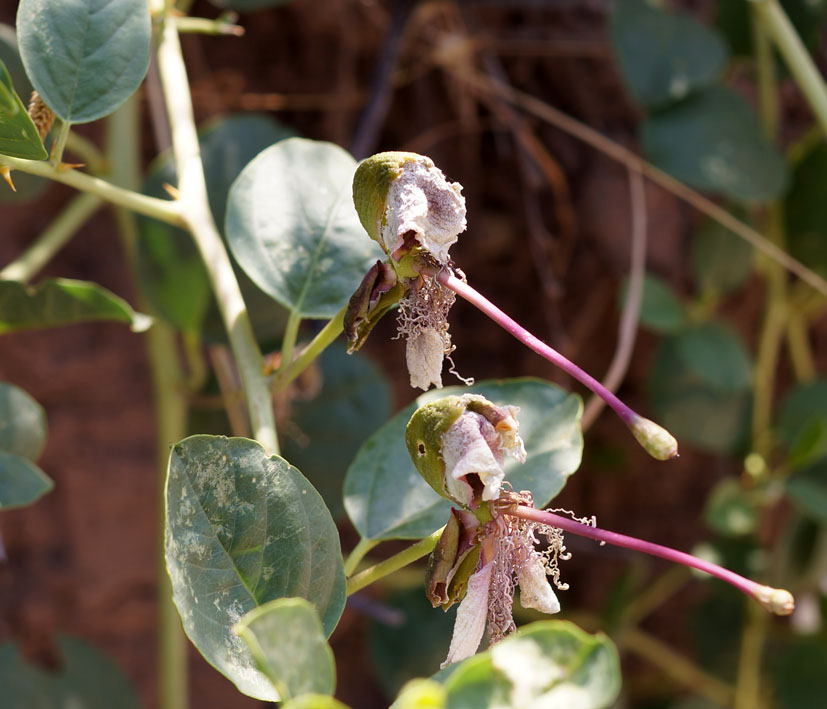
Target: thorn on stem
6,172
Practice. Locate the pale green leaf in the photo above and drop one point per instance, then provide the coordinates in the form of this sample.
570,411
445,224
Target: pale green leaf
292,227
18,134
286,640
244,528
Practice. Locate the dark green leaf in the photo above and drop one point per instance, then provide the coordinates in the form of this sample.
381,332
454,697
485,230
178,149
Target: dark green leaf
721,261
87,679
663,56
22,423
802,423
169,266
713,141
660,309
800,672
292,227
84,58
325,431
18,134
61,301
244,528
808,492
692,408
805,210
386,498
714,352
286,640
734,21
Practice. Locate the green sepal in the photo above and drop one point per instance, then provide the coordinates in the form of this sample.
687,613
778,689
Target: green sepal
423,436
378,292
458,540
459,582
371,184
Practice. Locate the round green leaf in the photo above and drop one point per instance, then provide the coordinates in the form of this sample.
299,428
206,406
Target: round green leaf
721,261
244,528
84,57
713,141
663,56
660,309
87,679
22,423
286,640
62,301
169,266
326,430
292,227
715,353
386,498
21,481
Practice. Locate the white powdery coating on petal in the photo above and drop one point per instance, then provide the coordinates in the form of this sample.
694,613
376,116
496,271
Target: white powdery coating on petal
470,445
535,590
471,615
421,200
424,353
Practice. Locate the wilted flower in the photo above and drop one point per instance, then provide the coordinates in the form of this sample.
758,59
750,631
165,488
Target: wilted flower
414,213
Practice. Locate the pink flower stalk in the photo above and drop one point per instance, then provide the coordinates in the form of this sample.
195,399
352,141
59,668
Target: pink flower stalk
657,441
775,600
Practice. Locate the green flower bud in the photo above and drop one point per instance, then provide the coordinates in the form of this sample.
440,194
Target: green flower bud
655,439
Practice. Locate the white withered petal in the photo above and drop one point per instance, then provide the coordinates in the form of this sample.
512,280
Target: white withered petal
469,625
471,445
535,590
424,354
422,201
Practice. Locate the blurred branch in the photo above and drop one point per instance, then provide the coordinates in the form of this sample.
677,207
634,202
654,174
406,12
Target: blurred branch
626,157
631,308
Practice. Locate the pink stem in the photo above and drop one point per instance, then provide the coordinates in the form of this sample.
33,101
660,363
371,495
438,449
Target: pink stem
621,540
541,348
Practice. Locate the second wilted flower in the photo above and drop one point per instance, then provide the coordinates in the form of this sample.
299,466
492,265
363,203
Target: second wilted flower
458,445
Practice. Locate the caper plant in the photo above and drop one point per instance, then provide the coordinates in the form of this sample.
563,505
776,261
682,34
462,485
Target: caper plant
253,569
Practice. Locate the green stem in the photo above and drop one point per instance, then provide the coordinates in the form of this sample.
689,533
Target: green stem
358,553
798,345
170,412
396,562
201,25
162,209
195,209
62,228
60,143
290,370
798,60
291,333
